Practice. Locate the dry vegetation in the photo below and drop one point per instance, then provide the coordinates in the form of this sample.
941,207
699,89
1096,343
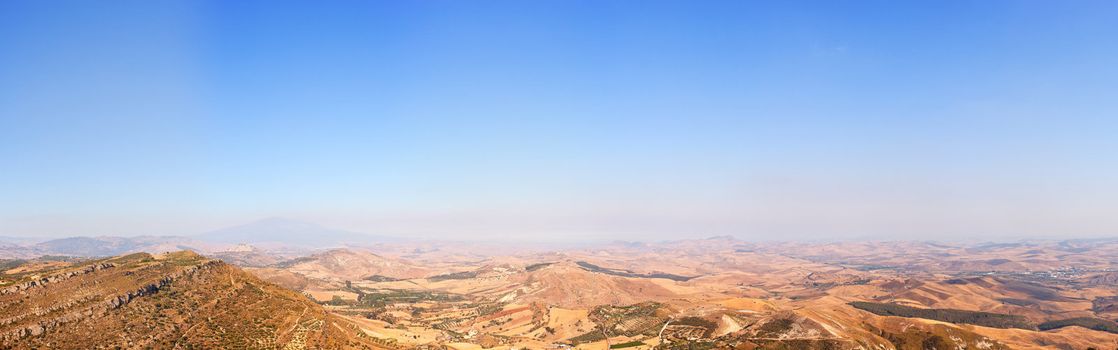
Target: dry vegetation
704,294
178,300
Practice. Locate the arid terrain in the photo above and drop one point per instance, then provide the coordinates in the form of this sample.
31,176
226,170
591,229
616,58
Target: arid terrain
693,294
558,175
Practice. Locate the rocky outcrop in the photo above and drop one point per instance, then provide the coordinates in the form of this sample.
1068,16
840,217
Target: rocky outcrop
54,279
96,309
152,288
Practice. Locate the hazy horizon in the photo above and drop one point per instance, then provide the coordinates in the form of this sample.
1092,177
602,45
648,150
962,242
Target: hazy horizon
561,121
566,241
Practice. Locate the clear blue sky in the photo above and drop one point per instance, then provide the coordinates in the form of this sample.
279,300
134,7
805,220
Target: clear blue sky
562,120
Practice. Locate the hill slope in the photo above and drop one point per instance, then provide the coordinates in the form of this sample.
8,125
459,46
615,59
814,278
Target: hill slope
347,264
171,301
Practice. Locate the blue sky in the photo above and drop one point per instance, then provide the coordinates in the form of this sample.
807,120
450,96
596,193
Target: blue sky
562,120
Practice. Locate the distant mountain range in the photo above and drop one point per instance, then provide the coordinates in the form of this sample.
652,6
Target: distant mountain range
286,232
109,246
271,233
5,240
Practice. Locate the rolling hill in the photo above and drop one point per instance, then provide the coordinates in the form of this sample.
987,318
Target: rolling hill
176,300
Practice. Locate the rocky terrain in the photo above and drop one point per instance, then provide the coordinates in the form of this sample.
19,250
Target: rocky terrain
170,301
696,294
717,293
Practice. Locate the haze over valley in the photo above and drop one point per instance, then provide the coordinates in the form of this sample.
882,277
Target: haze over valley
366,292
559,174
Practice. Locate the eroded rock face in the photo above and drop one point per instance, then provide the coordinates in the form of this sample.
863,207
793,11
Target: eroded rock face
64,314
155,287
174,300
54,279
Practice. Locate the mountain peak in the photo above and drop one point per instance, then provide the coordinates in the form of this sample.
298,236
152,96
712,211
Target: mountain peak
276,222
288,232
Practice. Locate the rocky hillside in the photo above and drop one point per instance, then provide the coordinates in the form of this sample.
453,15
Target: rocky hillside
171,301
